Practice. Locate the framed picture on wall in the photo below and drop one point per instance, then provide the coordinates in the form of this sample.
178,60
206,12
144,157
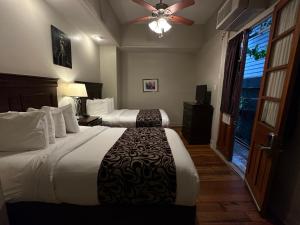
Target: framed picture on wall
150,85
61,48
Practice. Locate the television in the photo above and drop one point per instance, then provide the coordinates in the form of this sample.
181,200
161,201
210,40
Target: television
202,95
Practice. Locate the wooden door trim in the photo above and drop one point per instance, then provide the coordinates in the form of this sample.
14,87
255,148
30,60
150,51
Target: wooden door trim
289,73
260,190
271,99
284,34
262,89
252,195
225,138
276,68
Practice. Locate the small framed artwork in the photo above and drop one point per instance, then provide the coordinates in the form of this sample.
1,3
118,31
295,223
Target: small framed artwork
150,85
61,48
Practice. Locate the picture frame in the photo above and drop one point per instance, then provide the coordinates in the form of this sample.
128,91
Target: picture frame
61,48
150,85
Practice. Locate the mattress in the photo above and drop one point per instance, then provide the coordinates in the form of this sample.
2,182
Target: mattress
66,172
127,118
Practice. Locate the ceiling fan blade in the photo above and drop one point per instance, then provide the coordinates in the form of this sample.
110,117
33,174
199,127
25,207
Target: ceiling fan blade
178,6
145,5
181,20
140,19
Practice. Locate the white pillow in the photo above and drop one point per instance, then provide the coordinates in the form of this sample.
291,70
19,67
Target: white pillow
50,122
59,122
97,107
70,119
111,106
24,131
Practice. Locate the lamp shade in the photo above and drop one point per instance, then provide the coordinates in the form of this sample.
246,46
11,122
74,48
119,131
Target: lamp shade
75,90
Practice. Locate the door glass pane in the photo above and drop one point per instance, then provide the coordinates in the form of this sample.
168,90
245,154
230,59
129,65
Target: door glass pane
275,83
288,16
270,112
281,51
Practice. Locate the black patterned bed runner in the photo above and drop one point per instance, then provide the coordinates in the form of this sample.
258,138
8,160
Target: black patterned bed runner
138,169
149,118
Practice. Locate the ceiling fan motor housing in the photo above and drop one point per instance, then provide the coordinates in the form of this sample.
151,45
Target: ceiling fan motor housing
161,5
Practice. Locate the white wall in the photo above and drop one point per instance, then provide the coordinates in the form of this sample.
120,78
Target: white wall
109,72
26,48
210,69
106,18
176,73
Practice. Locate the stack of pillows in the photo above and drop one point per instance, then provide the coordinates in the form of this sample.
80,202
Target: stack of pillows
36,128
99,107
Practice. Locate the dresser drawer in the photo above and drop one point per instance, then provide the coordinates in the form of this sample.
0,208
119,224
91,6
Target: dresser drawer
187,122
196,123
187,106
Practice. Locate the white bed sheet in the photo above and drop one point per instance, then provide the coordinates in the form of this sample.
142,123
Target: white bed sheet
67,171
127,118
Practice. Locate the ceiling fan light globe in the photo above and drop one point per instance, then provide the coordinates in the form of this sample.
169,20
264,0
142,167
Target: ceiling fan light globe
163,24
160,26
154,27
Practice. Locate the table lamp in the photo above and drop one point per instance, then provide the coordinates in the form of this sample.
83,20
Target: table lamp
76,91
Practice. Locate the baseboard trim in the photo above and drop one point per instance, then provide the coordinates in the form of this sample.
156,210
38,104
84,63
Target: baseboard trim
175,126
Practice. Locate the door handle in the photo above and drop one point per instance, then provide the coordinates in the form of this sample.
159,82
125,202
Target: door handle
263,147
266,149
271,141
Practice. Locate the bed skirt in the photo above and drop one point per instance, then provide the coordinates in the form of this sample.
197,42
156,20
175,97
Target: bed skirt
34,213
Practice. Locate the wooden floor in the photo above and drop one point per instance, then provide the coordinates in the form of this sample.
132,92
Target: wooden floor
224,198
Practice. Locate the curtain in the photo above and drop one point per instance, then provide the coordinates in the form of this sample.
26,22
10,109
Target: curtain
233,77
233,73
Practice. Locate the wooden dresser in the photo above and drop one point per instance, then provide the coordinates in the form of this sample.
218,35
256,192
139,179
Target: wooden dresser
3,214
197,121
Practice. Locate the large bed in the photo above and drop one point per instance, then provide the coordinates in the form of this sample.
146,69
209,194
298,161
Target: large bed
70,166
68,182
124,117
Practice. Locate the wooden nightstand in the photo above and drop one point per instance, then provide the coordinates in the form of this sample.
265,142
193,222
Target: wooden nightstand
90,121
3,214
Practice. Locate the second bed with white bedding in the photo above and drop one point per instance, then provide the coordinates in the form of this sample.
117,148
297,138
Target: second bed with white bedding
127,118
66,172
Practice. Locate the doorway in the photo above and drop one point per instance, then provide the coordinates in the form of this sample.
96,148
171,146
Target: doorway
254,67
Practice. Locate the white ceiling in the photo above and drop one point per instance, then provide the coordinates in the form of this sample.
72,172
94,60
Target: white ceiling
77,14
200,12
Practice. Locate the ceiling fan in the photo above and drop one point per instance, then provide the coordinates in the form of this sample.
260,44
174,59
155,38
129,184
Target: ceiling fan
162,13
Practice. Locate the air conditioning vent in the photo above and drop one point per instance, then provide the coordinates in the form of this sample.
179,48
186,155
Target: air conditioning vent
234,14
224,11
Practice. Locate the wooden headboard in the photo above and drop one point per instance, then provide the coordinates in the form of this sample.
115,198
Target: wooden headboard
94,90
18,92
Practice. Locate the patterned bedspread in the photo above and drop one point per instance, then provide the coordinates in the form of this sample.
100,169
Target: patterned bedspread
138,169
149,118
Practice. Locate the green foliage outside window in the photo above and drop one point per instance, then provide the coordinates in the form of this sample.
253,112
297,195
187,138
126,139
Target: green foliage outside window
256,53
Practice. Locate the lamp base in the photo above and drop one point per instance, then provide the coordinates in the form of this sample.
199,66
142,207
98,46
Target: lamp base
77,102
